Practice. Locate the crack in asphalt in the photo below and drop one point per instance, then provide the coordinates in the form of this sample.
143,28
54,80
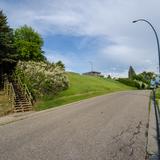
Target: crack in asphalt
124,147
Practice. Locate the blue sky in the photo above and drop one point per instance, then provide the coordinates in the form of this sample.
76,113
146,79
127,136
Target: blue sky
100,31
79,50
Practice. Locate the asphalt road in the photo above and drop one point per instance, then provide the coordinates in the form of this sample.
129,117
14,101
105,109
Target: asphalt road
110,127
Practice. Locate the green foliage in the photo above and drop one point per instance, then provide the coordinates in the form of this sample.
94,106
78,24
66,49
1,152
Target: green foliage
42,78
131,73
7,51
60,64
158,93
28,44
143,78
109,77
143,86
130,82
146,77
82,87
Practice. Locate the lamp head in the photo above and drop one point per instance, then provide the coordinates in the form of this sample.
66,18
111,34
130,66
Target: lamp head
135,21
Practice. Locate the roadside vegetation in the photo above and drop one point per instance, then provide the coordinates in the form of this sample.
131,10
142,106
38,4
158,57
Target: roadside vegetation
158,96
42,78
140,81
4,104
22,57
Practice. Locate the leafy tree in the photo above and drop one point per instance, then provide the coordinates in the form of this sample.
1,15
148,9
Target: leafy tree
148,75
131,73
28,44
145,77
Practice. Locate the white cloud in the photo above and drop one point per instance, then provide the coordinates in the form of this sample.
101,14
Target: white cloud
125,54
107,17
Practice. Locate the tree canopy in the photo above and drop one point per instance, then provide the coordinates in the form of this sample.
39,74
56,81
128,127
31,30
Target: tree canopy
28,44
145,77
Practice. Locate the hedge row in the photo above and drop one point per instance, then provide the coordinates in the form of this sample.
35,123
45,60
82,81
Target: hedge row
129,82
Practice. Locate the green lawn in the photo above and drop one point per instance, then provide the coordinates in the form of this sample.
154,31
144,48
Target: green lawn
82,87
158,93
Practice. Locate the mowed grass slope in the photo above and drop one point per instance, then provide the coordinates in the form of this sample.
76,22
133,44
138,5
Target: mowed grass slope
82,87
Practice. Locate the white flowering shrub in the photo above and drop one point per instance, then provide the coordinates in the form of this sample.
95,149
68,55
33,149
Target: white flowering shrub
42,78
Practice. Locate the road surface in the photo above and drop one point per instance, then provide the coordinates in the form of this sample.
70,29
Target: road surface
109,127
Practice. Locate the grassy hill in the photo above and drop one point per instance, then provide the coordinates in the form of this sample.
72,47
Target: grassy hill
82,87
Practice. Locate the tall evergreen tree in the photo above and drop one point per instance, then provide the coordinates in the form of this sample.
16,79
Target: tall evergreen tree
7,51
131,73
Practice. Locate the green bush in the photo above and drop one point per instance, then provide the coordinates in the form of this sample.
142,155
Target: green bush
129,82
143,86
42,78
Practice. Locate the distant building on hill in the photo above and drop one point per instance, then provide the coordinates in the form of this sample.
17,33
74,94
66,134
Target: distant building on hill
94,73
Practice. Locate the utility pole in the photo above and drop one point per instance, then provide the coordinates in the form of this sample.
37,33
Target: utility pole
91,63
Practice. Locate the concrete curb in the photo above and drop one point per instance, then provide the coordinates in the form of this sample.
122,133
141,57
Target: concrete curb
152,146
15,117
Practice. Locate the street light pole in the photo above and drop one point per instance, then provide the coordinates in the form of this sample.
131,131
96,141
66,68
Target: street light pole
91,63
155,35
157,112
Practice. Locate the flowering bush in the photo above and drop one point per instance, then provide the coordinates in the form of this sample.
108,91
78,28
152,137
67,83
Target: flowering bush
42,78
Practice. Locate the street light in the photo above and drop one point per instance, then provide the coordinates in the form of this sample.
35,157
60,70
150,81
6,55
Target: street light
153,82
155,35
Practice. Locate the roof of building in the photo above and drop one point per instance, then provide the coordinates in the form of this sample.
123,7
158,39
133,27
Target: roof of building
92,72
